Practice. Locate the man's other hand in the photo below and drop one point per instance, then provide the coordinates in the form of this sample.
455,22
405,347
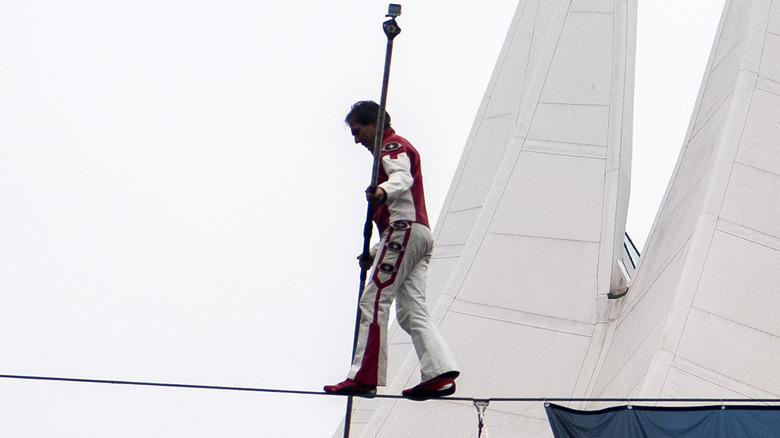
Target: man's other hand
376,195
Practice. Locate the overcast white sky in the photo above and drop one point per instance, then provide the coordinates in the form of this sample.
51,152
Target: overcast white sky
182,202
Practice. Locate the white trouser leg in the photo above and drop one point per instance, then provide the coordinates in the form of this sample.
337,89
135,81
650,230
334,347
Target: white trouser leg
432,350
369,363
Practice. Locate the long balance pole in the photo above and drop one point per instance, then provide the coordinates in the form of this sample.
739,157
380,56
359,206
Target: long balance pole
391,31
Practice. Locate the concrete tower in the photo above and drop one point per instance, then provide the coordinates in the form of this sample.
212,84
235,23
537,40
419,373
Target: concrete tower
701,317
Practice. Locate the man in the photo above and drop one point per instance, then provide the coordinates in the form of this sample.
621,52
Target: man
399,268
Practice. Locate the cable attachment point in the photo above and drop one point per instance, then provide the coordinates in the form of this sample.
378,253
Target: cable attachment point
481,405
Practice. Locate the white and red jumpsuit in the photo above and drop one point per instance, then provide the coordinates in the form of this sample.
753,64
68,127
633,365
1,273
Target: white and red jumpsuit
399,271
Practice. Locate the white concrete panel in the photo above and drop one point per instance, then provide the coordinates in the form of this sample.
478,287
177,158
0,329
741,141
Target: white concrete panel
515,63
414,419
360,415
572,149
592,6
500,359
743,289
687,384
733,30
552,196
397,349
523,318
755,35
749,234
671,233
356,429
697,158
455,227
484,157
582,124
513,425
542,276
644,308
720,82
732,349
728,143
621,377
774,18
519,62
684,295
447,251
439,271
720,384
581,70
760,144
770,58
753,199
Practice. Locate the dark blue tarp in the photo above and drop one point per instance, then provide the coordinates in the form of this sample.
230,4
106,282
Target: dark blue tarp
662,422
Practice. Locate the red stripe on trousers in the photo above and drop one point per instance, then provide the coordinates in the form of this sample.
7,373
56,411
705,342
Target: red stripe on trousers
369,366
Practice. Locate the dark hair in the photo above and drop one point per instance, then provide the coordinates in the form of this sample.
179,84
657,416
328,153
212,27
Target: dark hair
366,112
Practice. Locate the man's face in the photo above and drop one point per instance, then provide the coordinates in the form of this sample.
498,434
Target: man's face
363,134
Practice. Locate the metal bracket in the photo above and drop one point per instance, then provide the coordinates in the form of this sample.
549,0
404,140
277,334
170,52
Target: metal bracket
481,405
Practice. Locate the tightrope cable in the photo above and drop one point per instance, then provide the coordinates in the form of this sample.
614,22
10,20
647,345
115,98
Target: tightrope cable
392,396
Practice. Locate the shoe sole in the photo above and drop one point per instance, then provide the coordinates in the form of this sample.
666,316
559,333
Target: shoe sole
370,394
434,394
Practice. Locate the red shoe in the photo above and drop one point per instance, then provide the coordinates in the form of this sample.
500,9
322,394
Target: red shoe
439,386
351,387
